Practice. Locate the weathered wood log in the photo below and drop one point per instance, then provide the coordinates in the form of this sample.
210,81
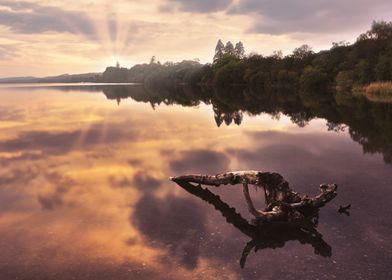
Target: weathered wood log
283,204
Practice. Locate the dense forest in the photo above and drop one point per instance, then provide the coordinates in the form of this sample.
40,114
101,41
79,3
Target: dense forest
343,68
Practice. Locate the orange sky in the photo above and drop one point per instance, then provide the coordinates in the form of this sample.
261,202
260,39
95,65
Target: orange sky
51,37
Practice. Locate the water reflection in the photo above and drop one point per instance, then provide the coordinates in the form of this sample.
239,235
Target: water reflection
84,189
273,235
368,123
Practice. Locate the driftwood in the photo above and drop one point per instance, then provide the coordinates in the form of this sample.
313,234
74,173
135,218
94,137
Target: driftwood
269,235
283,204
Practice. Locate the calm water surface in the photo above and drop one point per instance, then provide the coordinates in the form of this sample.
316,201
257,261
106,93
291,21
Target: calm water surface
85,190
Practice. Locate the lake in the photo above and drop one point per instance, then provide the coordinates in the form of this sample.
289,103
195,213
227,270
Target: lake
85,189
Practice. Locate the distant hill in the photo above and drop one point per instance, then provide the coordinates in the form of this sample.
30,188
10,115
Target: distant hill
28,79
65,78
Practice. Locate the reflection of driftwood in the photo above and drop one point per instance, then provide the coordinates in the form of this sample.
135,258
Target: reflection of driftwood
344,209
283,204
271,235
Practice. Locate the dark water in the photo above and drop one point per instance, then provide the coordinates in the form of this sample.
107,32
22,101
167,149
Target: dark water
85,190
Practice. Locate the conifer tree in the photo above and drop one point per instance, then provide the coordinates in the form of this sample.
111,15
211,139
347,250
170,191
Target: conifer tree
239,50
219,50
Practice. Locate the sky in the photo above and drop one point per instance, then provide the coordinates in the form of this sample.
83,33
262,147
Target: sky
52,37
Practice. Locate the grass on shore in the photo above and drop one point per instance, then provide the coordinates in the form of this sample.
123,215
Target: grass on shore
379,92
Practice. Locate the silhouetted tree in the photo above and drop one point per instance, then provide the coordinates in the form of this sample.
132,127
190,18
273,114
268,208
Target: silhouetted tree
219,50
239,50
302,52
379,30
229,48
278,54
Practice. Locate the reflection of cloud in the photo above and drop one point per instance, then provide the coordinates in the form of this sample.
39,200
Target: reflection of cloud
282,17
122,182
145,182
52,143
197,6
304,158
48,202
141,181
134,162
12,185
62,142
9,113
5,161
30,18
200,161
61,186
18,176
176,223
102,269
61,181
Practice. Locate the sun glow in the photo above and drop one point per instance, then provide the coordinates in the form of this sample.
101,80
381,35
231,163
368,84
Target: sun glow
112,61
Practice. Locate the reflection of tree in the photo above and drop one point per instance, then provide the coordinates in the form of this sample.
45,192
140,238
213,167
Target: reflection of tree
185,96
274,235
337,127
300,119
368,123
228,118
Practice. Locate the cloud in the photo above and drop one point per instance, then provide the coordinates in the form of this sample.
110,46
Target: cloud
196,6
200,161
8,52
301,16
29,18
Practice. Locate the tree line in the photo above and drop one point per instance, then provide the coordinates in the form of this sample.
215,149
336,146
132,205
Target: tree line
343,68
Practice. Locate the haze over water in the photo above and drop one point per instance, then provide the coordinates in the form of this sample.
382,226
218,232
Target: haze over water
85,190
